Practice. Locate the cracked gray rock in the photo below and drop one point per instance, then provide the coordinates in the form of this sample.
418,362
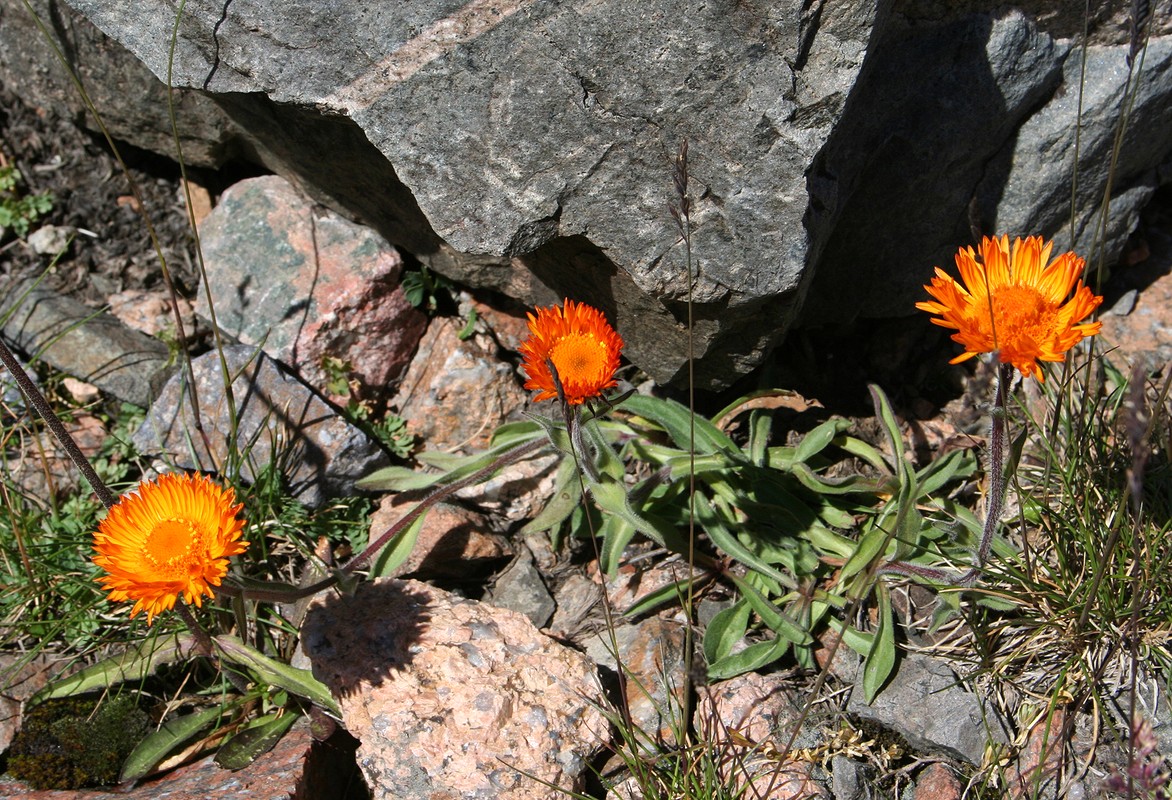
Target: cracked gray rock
838,150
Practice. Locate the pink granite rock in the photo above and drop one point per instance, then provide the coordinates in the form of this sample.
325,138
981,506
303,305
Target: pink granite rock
457,391
454,698
748,719
307,283
937,782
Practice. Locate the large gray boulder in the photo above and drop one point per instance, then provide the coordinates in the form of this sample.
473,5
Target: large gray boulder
839,150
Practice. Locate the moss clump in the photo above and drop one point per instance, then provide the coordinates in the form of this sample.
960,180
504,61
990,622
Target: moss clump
75,742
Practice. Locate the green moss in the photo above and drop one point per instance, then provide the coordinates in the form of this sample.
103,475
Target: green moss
75,742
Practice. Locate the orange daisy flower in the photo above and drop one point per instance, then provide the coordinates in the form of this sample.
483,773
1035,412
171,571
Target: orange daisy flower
582,346
171,537
1014,302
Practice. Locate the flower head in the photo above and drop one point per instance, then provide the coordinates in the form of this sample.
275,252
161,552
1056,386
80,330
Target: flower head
583,348
1014,302
171,537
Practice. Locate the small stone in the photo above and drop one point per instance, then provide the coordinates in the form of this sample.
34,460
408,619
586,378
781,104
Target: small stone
928,705
1038,770
150,312
278,418
520,588
81,391
847,779
452,541
635,582
49,240
516,492
577,599
651,655
72,338
937,782
763,712
454,698
45,469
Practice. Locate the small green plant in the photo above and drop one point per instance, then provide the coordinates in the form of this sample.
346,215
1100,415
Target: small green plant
19,211
388,428
76,742
424,288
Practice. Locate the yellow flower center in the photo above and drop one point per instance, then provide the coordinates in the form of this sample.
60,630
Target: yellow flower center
1021,311
579,358
171,546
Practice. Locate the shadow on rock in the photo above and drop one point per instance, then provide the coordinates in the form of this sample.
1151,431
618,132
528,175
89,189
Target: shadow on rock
356,641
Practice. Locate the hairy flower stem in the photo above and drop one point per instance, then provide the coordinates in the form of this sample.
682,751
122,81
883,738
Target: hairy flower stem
995,495
46,413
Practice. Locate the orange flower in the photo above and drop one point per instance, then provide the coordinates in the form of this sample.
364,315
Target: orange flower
582,346
172,537
1014,303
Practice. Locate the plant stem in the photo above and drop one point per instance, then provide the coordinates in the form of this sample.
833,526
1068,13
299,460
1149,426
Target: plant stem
203,643
996,499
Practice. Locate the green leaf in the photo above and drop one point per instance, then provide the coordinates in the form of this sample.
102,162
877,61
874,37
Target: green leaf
397,551
611,496
760,426
871,546
276,673
852,637
725,629
401,479
171,735
851,484
133,665
891,426
827,541
864,451
881,658
255,740
726,541
771,615
674,418
957,464
398,479
674,592
820,438
616,534
567,495
751,658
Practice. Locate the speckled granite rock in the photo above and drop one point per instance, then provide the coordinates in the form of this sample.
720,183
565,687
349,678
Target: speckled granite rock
278,417
457,391
454,698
